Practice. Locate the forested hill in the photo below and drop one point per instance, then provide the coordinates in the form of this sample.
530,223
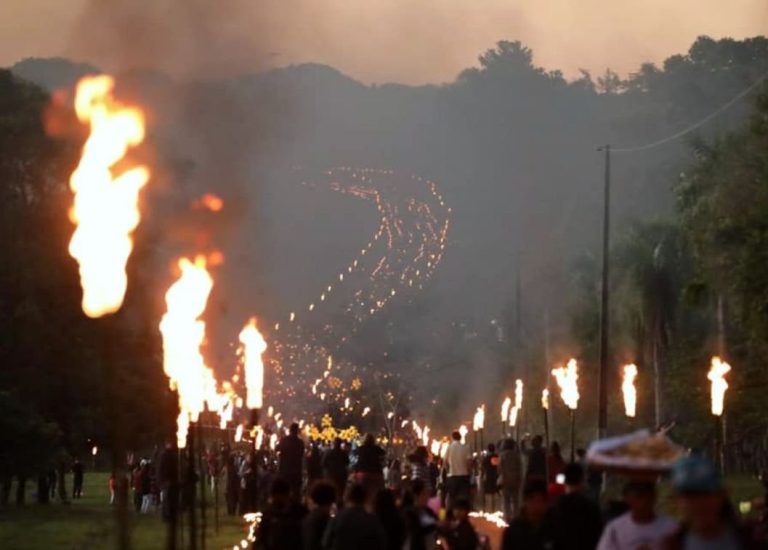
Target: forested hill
512,146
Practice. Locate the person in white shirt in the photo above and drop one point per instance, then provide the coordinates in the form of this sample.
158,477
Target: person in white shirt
641,528
458,462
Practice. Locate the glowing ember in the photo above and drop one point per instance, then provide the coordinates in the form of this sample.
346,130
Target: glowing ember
505,409
545,398
366,411
716,375
479,419
105,208
254,346
94,450
183,335
629,391
567,379
210,202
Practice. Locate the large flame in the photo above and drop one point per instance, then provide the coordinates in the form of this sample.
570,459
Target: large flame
479,419
105,208
567,380
716,375
505,409
183,333
254,346
629,391
519,394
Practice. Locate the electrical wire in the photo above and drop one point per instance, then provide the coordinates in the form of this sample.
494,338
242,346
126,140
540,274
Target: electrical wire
692,127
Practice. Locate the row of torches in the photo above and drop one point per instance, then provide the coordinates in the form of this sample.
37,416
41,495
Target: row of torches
106,213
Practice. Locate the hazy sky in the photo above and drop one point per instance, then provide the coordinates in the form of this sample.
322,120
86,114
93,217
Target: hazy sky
412,41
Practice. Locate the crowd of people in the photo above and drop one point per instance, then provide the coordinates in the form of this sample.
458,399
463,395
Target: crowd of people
341,497
346,496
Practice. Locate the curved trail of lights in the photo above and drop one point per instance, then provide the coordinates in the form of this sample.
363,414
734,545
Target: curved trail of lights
397,261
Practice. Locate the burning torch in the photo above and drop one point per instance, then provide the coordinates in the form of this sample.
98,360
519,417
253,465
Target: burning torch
567,380
253,347
545,410
716,376
518,405
505,414
629,391
477,425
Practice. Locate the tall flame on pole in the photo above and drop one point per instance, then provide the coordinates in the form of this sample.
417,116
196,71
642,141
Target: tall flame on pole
183,333
505,408
716,375
545,399
105,208
478,420
567,380
254,346
629,390
518,394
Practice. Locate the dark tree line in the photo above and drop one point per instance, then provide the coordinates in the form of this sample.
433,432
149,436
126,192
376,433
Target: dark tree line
67,382
691,285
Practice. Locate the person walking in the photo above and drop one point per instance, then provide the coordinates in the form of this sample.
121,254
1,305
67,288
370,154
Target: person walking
708,519
321,497
369,468
460,534
335,468
641,526
458,464
575,519
489,471
354,528
555,463
290,452
282,522
78,475
529,530
536,456
385,509
232,487
420,520
510,478
314,464
419,466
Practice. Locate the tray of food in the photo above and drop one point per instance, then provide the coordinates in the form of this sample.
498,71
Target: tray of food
640,451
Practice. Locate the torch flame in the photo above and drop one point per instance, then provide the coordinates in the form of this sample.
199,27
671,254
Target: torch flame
545,399
505,409
463,431
183,335
716,375
629,391
479,419
519,394
254,346
567,379
105,208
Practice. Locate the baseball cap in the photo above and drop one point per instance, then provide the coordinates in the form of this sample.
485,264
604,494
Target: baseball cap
696,474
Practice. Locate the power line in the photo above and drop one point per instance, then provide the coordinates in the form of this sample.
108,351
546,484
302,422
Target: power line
696,125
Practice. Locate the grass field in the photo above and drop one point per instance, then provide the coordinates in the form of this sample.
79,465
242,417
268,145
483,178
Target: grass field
88,523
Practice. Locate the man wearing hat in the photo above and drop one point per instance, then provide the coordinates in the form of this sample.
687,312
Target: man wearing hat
708,519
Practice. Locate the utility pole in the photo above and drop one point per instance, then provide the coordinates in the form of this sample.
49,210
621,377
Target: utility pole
602,416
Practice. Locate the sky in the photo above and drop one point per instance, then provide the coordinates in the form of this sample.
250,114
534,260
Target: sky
409,41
